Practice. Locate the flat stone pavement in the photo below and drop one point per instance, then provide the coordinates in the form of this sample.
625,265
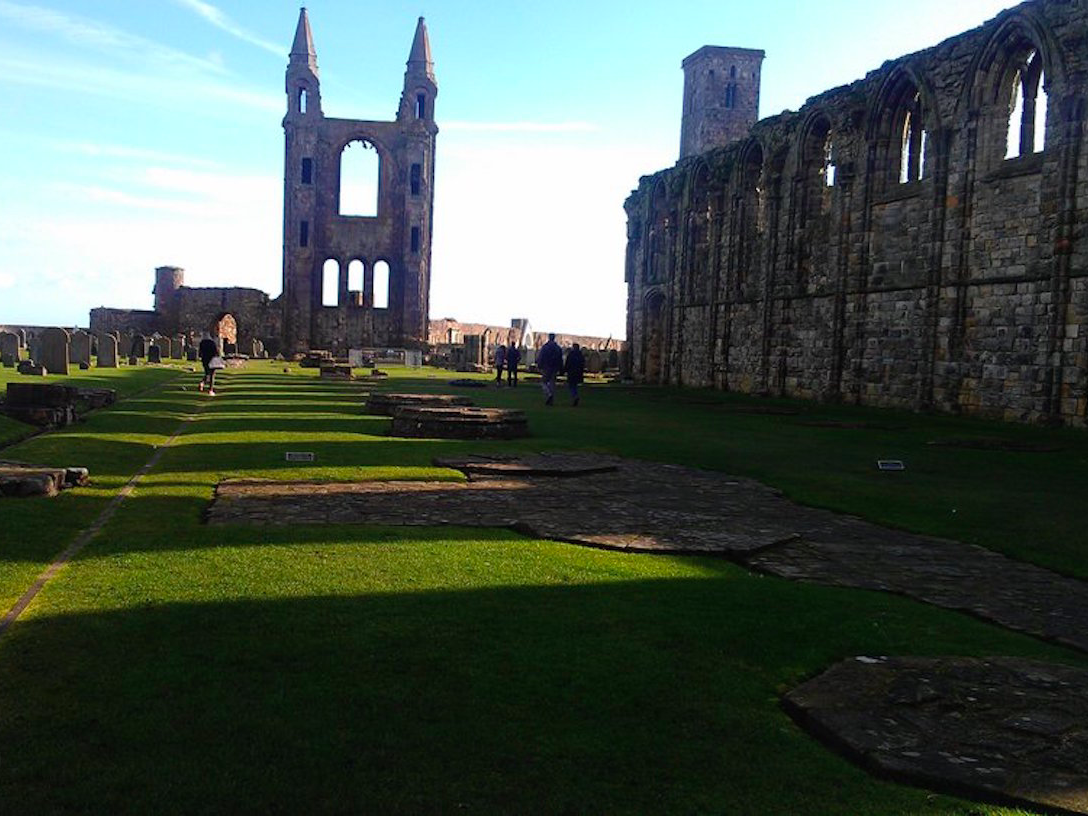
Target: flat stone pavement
999,729
647,507
1009,730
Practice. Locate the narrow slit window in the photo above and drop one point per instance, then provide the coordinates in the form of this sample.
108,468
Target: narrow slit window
421,106
415,239
307,171
416,175
304,234
303,100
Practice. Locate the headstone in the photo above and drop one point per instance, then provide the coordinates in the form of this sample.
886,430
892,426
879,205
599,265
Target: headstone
166,347
139,346
54,356
133,359
230,348
191,354
34,347
177,348
21,334
356,358
593,362
9,349
79,352
30,368
413,358
258,345
107,351
154,353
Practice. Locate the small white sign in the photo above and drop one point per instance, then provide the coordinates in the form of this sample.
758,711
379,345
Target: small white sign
890,464
299,456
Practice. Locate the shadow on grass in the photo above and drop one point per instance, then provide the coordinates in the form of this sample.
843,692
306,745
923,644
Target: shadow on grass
641,696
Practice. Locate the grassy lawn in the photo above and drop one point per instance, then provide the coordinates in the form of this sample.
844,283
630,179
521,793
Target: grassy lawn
178,668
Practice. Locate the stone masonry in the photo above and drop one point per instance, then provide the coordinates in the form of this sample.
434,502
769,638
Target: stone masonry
320,239
910,240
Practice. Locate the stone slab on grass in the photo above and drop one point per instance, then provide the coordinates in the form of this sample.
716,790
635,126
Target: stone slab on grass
386,404
20,480
1008,730
424,422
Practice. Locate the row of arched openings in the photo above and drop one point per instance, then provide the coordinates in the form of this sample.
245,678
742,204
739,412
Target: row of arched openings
1015,111
357,290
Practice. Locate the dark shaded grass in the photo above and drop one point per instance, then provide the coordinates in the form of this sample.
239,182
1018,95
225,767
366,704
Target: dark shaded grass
634,696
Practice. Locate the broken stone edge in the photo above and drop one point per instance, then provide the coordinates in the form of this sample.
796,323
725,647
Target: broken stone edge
830,739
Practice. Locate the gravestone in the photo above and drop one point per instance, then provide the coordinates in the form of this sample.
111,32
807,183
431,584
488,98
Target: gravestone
79,352
177,348
54,356
593,362
139,346
9,349
230,348
107,351
191,354
154,354
21,334
133,360
254,349
34,347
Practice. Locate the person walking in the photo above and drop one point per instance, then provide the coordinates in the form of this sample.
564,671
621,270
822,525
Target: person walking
208,351
575,369
513,357
550,362
500,361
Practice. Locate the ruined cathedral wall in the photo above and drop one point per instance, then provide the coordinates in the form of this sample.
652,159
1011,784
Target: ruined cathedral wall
878,246
257,317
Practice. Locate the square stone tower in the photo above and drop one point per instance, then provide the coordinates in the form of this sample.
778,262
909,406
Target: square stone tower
721,97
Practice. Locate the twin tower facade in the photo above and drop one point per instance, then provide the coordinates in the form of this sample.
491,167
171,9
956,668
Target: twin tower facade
327,303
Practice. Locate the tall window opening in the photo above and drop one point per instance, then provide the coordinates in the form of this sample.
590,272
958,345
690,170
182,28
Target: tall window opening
355,281
731,95
330,283
415,239
381,285
912,146
307,171
750,217
304,233
360,168
415,178
1027,108
421,106
303,100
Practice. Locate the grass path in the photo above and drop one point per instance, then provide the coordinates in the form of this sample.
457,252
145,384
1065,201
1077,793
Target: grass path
177,668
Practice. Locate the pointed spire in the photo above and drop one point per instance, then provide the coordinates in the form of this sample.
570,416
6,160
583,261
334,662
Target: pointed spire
419,59
303,46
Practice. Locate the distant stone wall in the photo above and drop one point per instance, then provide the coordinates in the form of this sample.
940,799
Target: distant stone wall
883,245
257,316
126,321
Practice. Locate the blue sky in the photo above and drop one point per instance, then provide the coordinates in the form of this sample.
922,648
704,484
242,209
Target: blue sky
144,133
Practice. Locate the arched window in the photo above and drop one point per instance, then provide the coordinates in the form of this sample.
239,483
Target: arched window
749,222
902,127
355,281
1027,107
330,283
303,100
360,168
381,285
700,215
657,263
421,106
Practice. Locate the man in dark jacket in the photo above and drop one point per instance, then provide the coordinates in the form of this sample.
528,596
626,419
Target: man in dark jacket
575,369
550,362
513,357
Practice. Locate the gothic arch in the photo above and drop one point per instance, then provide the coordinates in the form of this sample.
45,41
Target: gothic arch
902,117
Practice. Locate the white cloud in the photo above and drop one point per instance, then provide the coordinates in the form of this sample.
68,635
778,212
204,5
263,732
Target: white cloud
88,33
220,20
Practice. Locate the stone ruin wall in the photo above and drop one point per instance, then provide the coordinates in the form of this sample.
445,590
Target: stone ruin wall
942,276
192,311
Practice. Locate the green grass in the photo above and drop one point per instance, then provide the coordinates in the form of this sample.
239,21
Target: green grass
176,667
